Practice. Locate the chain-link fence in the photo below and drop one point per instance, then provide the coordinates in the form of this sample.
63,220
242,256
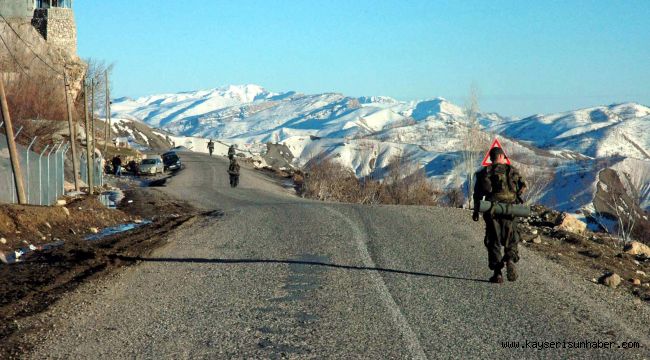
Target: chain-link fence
98,169
43,172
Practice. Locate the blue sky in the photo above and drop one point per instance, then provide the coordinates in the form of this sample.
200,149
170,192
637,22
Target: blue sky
525,57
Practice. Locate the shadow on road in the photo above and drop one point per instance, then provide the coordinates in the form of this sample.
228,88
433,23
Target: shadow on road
157,182
293,262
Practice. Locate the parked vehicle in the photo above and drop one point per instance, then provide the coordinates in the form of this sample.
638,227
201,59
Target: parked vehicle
171,161
152,166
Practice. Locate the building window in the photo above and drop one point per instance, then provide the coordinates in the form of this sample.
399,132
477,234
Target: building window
46,4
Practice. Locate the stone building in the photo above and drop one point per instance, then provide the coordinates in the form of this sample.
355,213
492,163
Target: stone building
44,29
53,19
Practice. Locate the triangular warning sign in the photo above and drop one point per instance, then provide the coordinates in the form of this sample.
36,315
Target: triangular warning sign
486,159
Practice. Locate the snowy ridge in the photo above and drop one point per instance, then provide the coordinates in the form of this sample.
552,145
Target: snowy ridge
364,133
159,110
622,129
139,135
251,113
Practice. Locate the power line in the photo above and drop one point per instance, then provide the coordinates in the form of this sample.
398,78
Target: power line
29,46
11,54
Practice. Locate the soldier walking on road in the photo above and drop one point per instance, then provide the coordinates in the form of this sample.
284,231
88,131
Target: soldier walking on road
211,146
501,183
231,152
233,172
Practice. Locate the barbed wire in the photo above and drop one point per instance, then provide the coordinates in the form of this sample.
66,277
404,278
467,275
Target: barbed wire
29,47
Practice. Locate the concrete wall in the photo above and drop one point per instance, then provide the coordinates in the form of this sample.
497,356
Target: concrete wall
17,8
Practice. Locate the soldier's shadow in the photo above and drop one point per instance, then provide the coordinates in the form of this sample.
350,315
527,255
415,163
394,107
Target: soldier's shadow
292,262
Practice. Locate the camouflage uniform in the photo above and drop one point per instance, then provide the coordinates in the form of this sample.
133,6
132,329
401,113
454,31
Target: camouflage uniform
233,172
500,183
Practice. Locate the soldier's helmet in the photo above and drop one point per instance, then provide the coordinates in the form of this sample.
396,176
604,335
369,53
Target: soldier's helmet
496,151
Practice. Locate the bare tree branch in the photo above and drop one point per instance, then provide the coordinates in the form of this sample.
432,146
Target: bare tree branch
537,182
471,143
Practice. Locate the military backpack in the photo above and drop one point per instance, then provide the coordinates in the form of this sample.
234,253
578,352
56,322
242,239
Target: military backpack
504,188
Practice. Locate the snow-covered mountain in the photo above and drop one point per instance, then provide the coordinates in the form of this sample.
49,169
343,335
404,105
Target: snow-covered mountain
160,110
251,113
622,129
365,133
139,135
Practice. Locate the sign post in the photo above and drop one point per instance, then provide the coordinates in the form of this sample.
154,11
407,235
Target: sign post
11,144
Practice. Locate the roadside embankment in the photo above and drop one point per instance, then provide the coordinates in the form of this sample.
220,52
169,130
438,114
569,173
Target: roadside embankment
44,275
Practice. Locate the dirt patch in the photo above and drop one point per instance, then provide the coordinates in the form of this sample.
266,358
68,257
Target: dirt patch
151,203
24,225
592,255
43,277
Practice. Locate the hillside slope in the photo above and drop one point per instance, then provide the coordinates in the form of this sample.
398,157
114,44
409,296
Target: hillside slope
564,150
622,129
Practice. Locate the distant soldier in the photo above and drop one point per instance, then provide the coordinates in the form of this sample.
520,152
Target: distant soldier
501,183
231,152
233,172
299,182
211,146
132,167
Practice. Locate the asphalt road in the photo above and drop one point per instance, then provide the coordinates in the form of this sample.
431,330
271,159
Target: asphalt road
279,276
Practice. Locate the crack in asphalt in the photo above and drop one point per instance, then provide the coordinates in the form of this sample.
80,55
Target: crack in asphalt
409,336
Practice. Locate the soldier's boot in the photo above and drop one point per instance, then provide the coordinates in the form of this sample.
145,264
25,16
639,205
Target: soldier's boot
496,278
511,270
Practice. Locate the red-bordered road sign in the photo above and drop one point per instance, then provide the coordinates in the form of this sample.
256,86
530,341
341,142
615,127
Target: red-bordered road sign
486,159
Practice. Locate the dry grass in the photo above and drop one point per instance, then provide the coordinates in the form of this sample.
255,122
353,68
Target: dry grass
406,185
453,198
328,180
34,98
37,97
34,83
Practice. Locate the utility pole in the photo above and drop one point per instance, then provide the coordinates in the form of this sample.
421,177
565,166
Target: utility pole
92,114
13,154
107,123
89,160
73,133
